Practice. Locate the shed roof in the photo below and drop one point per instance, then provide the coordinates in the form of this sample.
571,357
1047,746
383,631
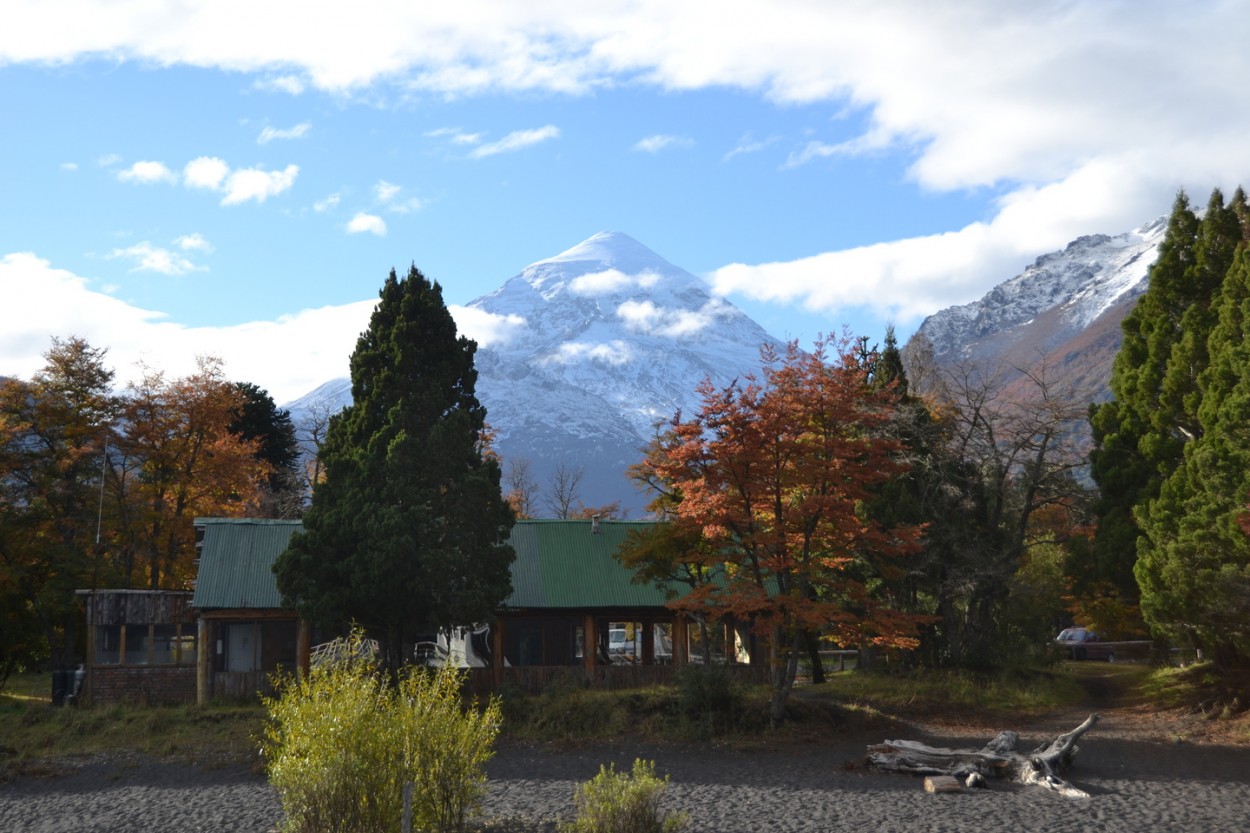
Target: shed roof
236,562
559,564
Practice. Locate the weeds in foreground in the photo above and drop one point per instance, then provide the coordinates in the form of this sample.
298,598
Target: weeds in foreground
618,802
348,752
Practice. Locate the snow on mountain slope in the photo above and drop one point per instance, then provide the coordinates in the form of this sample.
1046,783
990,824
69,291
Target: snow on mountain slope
1059,320
598,345
1054,300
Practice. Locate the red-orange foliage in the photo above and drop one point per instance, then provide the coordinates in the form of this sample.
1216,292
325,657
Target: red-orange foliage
774,474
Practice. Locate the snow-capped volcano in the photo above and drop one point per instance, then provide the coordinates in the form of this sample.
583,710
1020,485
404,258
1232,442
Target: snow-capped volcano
588,351
605,340
618,322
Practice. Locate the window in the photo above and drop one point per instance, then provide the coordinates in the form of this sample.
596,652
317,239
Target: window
108,644
172,647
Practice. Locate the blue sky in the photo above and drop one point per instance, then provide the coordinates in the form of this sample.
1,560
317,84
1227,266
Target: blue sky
237,178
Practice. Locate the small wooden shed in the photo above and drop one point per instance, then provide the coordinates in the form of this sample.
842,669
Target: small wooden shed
141,646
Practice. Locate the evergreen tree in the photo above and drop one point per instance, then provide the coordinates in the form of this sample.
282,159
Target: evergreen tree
1194,560
408,530
1135,446
260,419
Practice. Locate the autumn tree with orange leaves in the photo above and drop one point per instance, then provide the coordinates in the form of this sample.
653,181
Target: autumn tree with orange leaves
176,459
773,475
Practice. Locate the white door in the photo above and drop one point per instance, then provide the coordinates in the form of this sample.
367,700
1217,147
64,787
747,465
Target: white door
241,647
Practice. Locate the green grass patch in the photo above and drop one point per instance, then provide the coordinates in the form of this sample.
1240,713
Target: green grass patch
929,691
1201,688
32,729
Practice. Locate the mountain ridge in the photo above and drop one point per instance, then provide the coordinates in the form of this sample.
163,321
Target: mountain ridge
601,344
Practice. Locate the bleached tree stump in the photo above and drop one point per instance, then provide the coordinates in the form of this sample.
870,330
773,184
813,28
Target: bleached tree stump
998,759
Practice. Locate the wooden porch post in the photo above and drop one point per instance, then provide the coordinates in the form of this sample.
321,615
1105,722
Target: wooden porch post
203,661
590,645
496,653
303,646
648,642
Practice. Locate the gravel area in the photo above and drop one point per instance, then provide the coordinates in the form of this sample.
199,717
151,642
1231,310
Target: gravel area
1140,776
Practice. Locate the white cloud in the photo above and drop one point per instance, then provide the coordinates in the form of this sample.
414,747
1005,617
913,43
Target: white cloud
648,318
387,194
611,281
385,191
905,280
69,166
613,352
517,140
600,283
193,242
455,135
486,328
147,173
268,134
149,258
257,184
1093,112
288,357
289,84
327,203
205,172
748,144
237,186
659,142
370,223
108,160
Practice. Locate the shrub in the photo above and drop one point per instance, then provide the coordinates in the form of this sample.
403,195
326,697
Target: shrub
446,747
342,743
613,802
705,692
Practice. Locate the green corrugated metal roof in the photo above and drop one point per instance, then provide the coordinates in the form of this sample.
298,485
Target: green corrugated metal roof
559,564
565,564
236,562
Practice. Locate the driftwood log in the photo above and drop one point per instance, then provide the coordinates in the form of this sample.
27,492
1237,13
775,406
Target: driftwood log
998,759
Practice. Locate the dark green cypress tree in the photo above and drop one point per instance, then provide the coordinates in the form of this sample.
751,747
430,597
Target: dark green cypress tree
271,427
1194,561
408,531
1135,446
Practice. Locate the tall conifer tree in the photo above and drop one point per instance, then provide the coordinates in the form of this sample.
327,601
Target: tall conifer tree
408,531
1194,559
1135,444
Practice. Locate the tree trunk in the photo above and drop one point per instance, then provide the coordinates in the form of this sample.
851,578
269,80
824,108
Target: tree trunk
998,759
782,685
812,644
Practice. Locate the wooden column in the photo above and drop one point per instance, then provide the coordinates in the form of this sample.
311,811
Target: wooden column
303,646
496,652
203,662
590,645
648,643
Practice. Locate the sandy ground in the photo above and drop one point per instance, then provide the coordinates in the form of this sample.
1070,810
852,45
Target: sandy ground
1141,776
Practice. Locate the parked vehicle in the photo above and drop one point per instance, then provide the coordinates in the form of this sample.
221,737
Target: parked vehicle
1082,643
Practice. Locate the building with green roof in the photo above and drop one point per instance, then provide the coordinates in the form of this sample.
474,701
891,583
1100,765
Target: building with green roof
574,611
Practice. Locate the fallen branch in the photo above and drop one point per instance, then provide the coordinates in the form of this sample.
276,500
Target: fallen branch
998,759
